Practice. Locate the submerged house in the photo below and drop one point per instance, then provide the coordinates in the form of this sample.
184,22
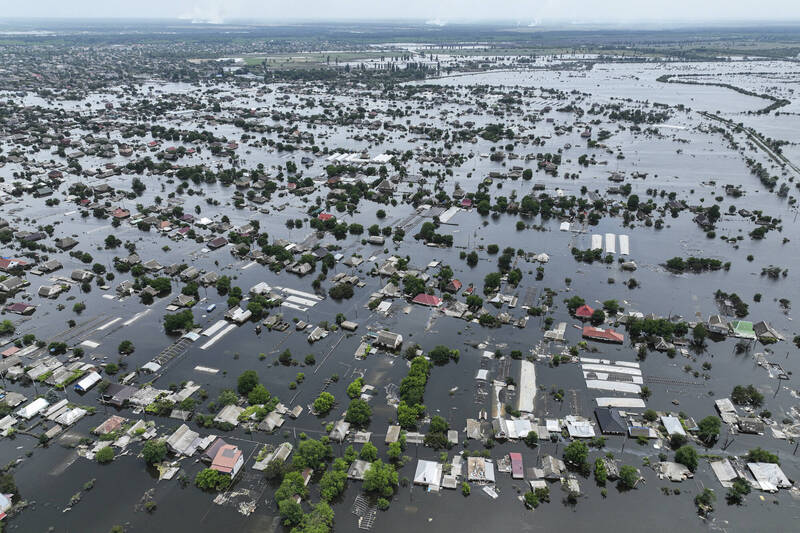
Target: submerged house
766,333
228,460
603,335
390,340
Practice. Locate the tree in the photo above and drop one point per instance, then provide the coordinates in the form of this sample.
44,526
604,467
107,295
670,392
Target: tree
737,492
532,439
354,388
598,317
358,412
600,471
576,453
341,291
441,355
154,451
748,395
705,501
292,484
332,484
126,347
290,511
227,397
757,455
709,429
319,520
474,302
687,456
413,285
699,333
324,403
439,424
380,478
611,306
105,455
650,415
407,415
7,327
395,451
312,454
368,452
179,321
259,395
491,282
247,382
628,476
275,469
573,303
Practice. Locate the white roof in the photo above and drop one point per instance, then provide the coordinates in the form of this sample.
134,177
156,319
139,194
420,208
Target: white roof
33,408
769,476
428,473
673,425
621,402
579,427
88,381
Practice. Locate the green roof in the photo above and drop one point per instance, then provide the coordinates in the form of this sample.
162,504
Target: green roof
742,328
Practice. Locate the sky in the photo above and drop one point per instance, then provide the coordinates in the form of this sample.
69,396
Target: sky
524,12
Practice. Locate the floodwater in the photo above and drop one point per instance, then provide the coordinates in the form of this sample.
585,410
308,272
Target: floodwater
684,160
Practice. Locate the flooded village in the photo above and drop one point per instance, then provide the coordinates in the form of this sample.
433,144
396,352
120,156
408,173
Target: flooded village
465,278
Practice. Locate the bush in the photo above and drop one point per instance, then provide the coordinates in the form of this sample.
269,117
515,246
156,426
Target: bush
179,321
247,382
748,395
324,403
105,455
211,480
358,412
687,456
576,453
341,291
709,429
380,478
628,476
737,492
154,451
757,455
126,347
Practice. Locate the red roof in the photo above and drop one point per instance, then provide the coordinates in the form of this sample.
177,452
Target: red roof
6,263
325,216
11,351
427,299
584,311
607,335
466,202
516,465
226,458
